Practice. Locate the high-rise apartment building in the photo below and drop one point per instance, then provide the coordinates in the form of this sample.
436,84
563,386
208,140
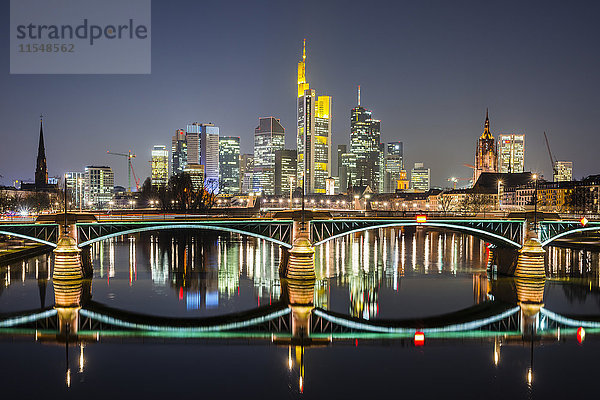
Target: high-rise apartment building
313,134
285,171
99,186
229,164
159,173
365,144
420,177
178,152
269,137
486,156
563,171
207,151
511,153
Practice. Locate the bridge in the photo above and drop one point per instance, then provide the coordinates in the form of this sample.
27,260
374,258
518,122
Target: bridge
500,232
510,238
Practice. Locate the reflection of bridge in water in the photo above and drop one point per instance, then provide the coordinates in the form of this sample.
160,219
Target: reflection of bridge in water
512,314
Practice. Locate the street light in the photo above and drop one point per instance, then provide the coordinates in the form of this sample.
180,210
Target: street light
499,199
292,179
535,200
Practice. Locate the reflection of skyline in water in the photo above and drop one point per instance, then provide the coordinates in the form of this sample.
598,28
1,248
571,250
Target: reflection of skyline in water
205,271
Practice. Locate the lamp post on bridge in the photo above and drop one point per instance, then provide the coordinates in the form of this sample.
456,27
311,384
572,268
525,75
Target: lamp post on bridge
535,201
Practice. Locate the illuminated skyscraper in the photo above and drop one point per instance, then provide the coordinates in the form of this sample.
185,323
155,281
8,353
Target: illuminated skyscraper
229,164
512,153
486,157
313,134
564,171
420,177
178,152
203,142
365,144
394,166
269,137
285,171
160,166
246,172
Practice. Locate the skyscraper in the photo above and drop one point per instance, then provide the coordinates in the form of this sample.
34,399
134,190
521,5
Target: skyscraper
159,173
563,171
41,169
486,156
365,144
178,152
207,151
394,166
269,136
246,172
99,186
420,177
285,171
229,164
512,153
313,134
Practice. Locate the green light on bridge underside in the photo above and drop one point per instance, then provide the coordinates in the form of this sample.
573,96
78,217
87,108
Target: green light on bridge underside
158,328
467,326
181,335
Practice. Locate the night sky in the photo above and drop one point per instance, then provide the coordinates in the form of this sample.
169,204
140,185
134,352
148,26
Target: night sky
427,70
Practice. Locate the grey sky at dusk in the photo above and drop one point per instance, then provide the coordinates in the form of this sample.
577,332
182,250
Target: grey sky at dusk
428,70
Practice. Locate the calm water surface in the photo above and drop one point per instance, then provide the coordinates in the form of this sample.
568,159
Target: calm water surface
375,276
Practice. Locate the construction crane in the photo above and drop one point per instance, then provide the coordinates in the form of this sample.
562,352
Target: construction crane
553,160
130,170
455,180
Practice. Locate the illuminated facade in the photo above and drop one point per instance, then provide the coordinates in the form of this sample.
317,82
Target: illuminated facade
365,144
99,186
75,186
229,164
420,177
269,137
313,134
563,171
511,153
486,156
178,152
246,172
285,171
203,148
197,175
394,166
160,166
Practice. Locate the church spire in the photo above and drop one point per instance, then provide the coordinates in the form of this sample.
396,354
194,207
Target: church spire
41,169
486,127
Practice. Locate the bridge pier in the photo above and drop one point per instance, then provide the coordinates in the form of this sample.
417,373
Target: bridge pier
298,263
67,260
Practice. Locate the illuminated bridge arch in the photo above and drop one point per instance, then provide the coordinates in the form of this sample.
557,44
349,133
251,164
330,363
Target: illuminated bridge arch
499,232
552,230
42,233
278,232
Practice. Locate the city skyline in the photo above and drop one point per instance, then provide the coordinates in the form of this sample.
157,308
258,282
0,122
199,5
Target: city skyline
519,100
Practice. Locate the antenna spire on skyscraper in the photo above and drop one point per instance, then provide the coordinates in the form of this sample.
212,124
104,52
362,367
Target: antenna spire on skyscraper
304,51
